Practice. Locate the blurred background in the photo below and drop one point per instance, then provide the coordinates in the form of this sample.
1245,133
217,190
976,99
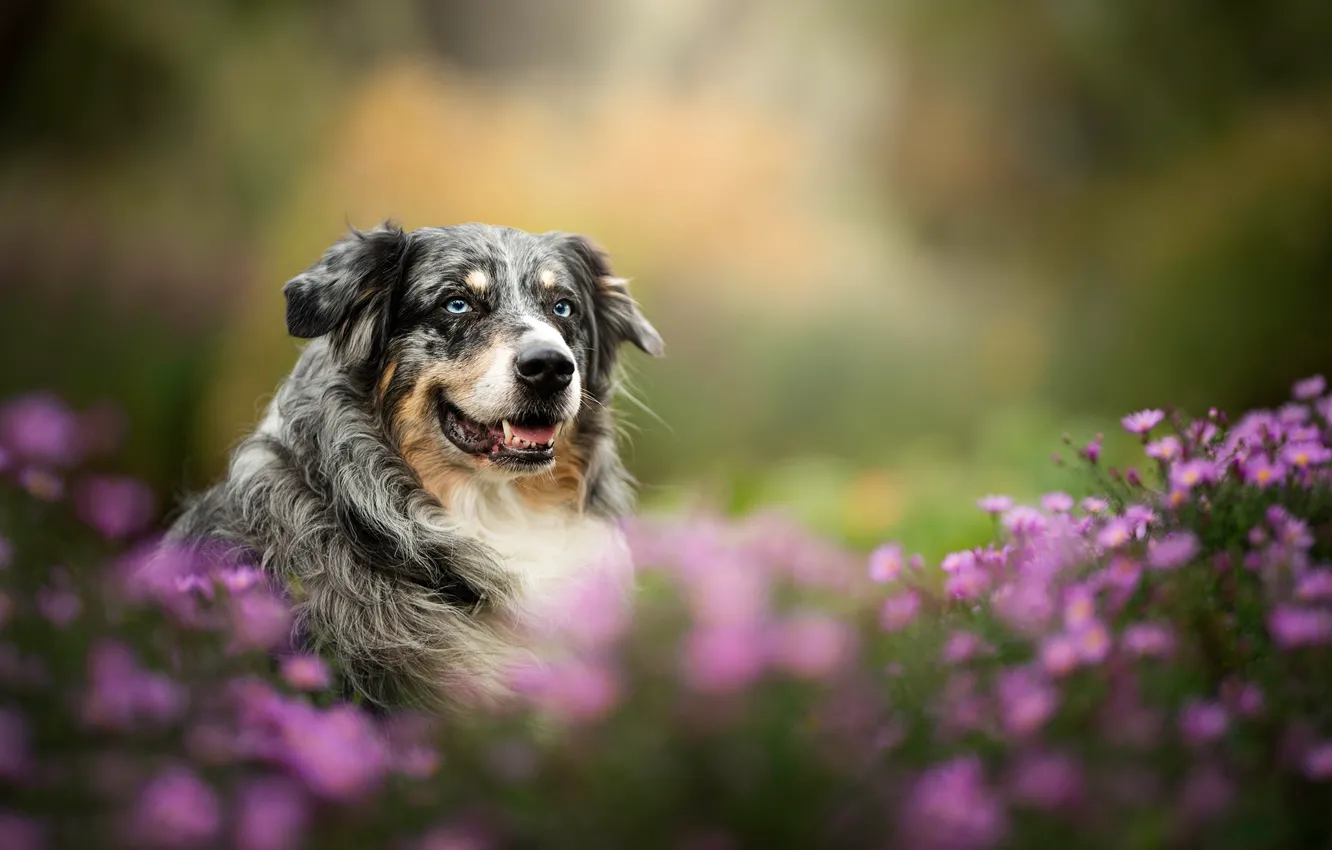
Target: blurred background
896,248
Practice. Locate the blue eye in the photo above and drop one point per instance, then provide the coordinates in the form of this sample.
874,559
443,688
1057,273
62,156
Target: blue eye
458,305
564,309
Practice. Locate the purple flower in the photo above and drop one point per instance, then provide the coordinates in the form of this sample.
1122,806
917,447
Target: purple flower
1027,701
15,755
42,484
1092,451
337,751
41,429
967,584
1202,722
1142,421
885,563
117,507
899,610
1310,388
1023,521
177,809
957,562
1059,654
1148,640
1094,505
1306,454
1317,761
1116,533
121,694
951,809
1189,474
1079,608
20,833
1045,781
1315,585
1293,627
271,815
306,672
1206,793
1166,448
963,646
6,553
1260,470
994,504
59,606
812,645
1093,642
1057,503
259,620
722,658
1025,606
1172,551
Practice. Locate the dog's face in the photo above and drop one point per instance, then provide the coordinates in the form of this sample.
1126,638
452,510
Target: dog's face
490,340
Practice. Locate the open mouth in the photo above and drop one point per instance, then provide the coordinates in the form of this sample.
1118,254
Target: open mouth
518,442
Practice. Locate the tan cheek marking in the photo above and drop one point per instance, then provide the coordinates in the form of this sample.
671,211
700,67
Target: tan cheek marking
387,378
547,278
440,467
477,280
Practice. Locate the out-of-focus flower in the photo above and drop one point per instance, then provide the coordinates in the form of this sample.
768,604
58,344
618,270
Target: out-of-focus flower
1259,469
1166,448
42,484
963,646
1172,551
121,694
259,620
1292,626
1092,451
1057,503
1309,388
1026,606
899,610
6,553
271,814
306,672
1079,608
1153,640
1094,505
59,606
1306,454
1027,701
1207,792
1190,473
20,833
885,563
950,808
967,583
15,752
177,809
1314,586
956,562
1047,781
1116,533
811,645
994,504
722,658
1143,421
731,593
1317,762
41,429
1023,521
1059,655
336,751
1202,722
1093,642
117,507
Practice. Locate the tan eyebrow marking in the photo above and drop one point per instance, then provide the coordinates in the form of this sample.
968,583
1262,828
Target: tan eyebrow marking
477,279
547,278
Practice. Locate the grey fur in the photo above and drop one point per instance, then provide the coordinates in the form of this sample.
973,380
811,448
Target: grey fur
322,498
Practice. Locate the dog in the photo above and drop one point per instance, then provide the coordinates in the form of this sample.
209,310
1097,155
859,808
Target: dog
442,460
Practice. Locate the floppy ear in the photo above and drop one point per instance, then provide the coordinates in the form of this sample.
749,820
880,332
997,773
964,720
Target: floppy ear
349,293
618,317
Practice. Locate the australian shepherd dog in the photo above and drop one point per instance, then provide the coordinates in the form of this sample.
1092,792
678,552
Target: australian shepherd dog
442,459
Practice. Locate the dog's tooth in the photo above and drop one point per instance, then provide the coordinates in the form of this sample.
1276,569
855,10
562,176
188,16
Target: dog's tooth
550,442
508,431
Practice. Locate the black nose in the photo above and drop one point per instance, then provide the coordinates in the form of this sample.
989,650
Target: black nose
545,369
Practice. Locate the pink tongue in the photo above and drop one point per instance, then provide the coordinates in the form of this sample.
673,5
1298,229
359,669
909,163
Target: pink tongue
543,434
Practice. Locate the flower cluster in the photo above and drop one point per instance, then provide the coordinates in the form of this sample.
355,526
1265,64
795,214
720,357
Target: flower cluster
1142,663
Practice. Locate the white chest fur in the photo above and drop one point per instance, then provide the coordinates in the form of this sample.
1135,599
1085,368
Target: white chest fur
552,553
